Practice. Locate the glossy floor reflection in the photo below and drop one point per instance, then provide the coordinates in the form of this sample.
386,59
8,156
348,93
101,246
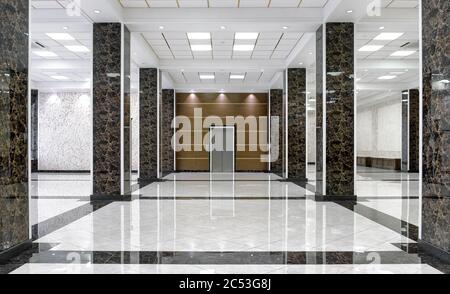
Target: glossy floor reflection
222,223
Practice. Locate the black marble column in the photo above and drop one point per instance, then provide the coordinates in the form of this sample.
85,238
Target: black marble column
276,110
14,38
335,113
34,129
297,124
410,130
167,116
111,110
405,127
436,127
148,125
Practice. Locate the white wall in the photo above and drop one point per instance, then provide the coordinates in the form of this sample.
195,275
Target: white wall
135,116
311,133
379,131
135,130
64,131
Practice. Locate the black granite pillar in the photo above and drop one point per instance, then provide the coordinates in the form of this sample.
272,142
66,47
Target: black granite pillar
410,130
167,132
297,124
14,35
335,112
148,125
405,127
34,130
436,127
111,109
276,110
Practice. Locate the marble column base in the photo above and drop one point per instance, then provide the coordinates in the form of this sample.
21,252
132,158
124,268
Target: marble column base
12,252
117,197
333,198
434,251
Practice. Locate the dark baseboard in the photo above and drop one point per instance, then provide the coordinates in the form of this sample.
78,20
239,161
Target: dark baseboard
117,197
64,171
12,252
333,198
383,163
291,180
434,251
143,181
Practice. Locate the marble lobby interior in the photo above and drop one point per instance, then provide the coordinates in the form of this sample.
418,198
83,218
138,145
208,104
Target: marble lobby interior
87,98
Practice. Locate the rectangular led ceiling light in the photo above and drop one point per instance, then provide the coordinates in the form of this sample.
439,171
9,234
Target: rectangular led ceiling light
370,48
45,54
387,77
60,36
237,77
388,36
201,47
60,78
207,77
243,47
82,49
403,53
246,36
199,36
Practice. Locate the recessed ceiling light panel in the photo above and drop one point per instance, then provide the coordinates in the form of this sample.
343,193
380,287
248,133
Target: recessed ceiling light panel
60,36
45,53
60,78
403,53
207,76
246,36
388,36
78,49
199,36
201,47
370,48
387,77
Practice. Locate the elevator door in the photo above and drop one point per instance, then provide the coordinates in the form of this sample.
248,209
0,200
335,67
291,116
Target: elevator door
222,153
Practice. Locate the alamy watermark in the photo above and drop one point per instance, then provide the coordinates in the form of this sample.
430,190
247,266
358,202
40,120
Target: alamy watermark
190,137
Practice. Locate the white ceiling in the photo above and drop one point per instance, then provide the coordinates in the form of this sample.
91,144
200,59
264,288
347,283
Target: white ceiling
285,39
222,3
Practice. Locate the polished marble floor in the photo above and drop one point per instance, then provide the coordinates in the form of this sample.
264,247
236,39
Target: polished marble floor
226,223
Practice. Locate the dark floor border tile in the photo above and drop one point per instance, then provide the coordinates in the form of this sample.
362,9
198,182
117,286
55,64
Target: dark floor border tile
57,222
397,225
435,251
220,198
224,258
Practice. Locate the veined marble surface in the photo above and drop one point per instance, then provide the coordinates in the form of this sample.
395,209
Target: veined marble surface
65,131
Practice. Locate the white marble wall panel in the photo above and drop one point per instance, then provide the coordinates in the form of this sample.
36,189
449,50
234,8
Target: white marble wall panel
135,117
311,139
379,131
65,131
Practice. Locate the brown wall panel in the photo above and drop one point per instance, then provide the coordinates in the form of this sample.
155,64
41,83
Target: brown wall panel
223,105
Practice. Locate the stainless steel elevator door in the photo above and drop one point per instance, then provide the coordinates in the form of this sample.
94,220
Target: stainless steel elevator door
222,151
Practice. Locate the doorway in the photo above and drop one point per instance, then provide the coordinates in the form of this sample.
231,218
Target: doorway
222,149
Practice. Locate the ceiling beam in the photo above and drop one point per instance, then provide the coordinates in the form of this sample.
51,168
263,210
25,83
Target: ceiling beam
44,64
383,86
167,15
246,88
235,65
388,64
62,86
